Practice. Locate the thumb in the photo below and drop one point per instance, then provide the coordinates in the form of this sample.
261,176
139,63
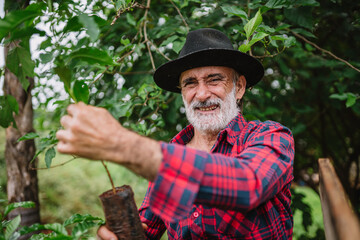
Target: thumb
105,234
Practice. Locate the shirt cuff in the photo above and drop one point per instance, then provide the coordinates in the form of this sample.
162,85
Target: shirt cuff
177,183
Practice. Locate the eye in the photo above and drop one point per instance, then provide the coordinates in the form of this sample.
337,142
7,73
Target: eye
213,81
189,83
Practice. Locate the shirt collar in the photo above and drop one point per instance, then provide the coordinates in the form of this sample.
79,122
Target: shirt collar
229,133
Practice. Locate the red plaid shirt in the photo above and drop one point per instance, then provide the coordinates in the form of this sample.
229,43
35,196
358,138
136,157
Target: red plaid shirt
241,190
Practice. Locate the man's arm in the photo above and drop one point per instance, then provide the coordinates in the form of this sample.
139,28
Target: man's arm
186,176
92,133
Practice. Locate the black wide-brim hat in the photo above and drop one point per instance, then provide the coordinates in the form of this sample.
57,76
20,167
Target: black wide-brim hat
207,47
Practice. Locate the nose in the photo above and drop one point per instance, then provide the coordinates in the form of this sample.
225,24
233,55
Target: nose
202,92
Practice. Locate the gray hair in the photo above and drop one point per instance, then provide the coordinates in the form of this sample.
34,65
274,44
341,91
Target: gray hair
239,102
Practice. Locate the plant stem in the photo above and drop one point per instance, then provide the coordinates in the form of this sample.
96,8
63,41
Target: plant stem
110,178
325,51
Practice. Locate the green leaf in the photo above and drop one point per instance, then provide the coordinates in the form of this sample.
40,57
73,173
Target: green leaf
351,99
14,18
20,63
12,206
46,57
92,29
46,43
281,27
92,55
50,236
244,48
29,229
81,228
234,10
341,96
26,32
276,4
169,40
14,106
49,155
73,25
80,218
28,136
178,45
125,41
290,41
278,37
12,226
308,3
80,91
12,61
65,76
251,26
302,16
303,32
130,19
266,29
8,106
257,37
56,227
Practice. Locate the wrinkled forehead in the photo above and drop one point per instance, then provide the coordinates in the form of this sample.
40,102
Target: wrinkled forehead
204,72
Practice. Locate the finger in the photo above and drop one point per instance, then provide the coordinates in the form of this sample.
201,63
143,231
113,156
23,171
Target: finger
65,121
64,147
71,109
81,104
145,227
105,234
63,135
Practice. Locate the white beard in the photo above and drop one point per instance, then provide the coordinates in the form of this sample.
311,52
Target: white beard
213,122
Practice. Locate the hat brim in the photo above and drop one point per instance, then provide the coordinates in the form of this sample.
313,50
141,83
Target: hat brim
167,75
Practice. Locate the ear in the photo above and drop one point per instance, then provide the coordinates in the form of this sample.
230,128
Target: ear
240,87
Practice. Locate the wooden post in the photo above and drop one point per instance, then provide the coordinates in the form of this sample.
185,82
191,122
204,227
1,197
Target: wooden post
340,221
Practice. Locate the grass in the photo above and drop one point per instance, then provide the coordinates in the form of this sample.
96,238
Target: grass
75,187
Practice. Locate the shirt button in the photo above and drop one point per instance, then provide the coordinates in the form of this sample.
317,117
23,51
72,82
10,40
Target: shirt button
195,214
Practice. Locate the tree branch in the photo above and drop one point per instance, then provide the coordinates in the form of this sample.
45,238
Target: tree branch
325,51
181,16
145,35
158,50
54,166
121,11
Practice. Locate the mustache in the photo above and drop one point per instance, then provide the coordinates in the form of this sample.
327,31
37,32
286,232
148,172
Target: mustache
206,103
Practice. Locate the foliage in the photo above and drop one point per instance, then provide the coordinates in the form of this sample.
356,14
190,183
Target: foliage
104,52
308,219
80,224
8,227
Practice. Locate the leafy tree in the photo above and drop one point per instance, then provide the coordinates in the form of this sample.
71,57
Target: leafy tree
104,53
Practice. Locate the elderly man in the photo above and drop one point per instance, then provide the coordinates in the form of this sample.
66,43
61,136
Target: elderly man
221,177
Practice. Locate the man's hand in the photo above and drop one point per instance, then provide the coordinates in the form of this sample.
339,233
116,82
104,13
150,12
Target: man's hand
92,133
89,132
105,234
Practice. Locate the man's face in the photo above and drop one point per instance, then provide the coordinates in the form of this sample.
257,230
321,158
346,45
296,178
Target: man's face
209,95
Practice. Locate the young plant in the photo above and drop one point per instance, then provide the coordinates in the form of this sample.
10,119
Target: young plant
75,227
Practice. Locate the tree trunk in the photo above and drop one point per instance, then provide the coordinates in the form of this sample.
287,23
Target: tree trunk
22,183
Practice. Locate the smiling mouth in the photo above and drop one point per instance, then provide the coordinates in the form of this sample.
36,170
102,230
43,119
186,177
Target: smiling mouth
209,108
